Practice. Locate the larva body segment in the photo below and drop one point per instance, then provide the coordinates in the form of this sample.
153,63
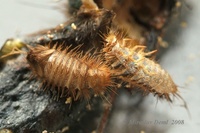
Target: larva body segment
72,74
128,58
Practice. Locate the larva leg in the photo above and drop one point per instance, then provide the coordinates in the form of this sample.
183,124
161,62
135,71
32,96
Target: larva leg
124,41
139,46
141,52
150,53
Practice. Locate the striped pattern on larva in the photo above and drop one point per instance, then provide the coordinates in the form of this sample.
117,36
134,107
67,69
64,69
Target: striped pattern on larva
128,59
68,72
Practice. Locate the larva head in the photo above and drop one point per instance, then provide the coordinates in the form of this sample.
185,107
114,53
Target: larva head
120,37
111,38
37,57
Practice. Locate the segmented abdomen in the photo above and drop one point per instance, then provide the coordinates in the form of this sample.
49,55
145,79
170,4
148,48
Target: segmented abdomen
150,77
129,60
72,73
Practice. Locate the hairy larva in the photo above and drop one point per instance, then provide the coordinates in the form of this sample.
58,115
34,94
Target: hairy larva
130,61
67,72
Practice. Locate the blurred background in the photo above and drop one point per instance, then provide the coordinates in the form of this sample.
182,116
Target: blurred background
181,60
